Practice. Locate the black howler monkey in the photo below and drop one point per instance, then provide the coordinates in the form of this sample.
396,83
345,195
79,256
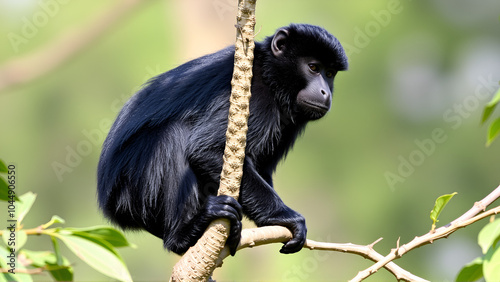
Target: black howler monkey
161,162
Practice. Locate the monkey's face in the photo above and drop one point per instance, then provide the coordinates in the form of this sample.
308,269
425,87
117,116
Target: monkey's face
307,67
315,99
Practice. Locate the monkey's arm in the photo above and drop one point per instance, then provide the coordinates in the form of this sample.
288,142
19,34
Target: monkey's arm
262,204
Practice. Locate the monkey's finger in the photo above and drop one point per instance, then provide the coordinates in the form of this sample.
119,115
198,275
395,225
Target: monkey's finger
293,246
297,242
231,205
230,214
234,237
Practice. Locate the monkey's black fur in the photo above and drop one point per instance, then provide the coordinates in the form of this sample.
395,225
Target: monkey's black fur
161,162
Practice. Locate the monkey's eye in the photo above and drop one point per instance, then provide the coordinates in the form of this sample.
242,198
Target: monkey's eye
330,73
314,67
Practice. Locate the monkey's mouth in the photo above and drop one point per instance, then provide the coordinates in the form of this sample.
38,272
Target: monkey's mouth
318,108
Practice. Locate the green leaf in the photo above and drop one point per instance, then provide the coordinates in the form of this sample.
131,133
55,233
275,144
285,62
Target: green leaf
20,238
472,271
4,190
489,235
57,250
106,233
487,113
37,258
55,219
25,205
92,238
493,131
97,256
23,277
495,100
6,277
439,206
3,264
491,265
488,109
3,167
62,272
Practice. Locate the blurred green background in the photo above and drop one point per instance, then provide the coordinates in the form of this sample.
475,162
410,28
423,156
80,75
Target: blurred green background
415,66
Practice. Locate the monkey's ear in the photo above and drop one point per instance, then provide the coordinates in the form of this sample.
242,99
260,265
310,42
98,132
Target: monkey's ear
278,43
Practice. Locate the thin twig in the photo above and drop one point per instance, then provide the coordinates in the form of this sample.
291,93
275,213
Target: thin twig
276,234
473,215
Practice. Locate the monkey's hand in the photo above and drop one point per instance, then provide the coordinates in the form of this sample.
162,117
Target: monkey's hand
229,208
296,223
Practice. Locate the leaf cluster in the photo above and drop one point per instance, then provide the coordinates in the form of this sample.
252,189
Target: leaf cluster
494,128
488,265
95,245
